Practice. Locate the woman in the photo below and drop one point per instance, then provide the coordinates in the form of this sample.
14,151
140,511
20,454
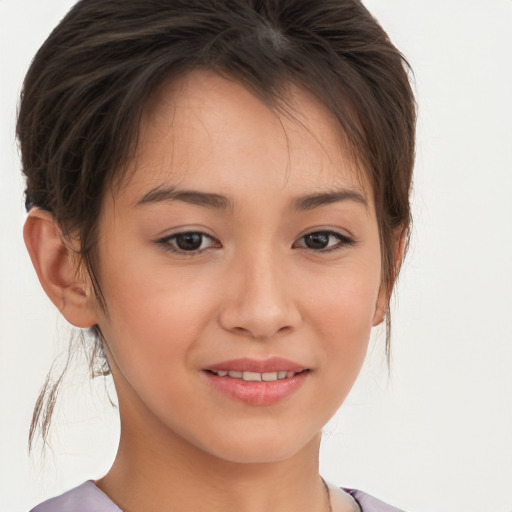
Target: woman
218,191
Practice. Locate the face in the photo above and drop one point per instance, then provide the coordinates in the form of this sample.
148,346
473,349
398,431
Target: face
240,264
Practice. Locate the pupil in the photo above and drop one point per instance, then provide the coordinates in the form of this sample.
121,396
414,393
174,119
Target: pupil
189,241
317,240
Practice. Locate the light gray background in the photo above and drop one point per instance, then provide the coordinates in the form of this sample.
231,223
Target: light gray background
436,435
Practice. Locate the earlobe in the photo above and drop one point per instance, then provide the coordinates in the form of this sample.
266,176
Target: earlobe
381,307
54,263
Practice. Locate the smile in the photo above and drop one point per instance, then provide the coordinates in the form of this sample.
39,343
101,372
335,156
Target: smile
257,382
256,376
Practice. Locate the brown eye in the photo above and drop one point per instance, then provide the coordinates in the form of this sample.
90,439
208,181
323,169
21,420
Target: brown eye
188,242
317,240
324,241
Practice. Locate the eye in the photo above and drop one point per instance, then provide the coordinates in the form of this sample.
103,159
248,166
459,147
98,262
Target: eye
188,242
324,241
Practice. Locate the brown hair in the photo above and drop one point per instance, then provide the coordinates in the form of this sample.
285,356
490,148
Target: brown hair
85,91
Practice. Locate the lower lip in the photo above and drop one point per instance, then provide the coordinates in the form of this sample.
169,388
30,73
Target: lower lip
259,392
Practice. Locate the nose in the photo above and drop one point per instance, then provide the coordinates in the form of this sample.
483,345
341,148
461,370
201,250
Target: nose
259,298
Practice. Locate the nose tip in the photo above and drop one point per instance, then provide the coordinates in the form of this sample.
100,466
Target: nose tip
260,305
258,326
259,329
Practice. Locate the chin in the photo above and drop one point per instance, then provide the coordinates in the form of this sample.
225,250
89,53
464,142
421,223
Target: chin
260,448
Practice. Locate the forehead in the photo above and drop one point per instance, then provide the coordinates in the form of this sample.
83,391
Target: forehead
206,130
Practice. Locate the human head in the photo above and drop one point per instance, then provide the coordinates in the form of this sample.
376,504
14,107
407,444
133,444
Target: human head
88,85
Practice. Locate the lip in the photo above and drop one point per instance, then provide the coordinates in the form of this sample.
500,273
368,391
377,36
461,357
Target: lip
257,393
245,364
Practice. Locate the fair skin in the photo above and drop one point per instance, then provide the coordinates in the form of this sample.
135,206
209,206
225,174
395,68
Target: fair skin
282,260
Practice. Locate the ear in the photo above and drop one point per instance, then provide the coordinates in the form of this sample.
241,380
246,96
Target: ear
55,264
381,307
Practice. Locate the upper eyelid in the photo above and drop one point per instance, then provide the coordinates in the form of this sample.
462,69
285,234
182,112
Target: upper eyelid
330,232
183,231
336,229
166,241
344,238
187,232
343,243
335,232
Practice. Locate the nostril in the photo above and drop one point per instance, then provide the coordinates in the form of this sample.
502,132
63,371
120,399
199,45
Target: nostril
261,332
259,313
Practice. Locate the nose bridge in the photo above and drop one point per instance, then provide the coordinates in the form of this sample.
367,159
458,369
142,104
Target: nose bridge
260,301
262,281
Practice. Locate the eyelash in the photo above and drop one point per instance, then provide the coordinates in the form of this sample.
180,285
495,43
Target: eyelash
169,242
342,240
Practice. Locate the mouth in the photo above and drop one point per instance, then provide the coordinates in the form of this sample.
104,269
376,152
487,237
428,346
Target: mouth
257,376
257,382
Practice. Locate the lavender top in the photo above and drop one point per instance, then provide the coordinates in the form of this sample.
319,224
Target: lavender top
89,498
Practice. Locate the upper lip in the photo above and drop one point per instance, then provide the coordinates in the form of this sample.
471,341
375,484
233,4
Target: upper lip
245,364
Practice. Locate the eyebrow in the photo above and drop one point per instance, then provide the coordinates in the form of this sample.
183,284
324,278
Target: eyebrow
312,201
220,202
209,200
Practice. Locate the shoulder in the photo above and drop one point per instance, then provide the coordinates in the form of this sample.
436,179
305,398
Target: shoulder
85,498
368,503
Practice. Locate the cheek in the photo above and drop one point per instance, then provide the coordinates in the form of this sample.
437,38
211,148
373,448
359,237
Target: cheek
348,309
343,311
152,336
345,299
146,312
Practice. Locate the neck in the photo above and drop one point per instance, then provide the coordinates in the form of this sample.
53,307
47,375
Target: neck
154,474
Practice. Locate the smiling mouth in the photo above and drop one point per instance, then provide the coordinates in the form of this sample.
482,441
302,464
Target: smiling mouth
256,376
257,382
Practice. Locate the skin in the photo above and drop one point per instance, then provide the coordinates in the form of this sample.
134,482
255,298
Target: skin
253,289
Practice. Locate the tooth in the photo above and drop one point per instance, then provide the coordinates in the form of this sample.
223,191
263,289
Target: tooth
269,376
235,375
252,376
221,373
281,374
289,374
